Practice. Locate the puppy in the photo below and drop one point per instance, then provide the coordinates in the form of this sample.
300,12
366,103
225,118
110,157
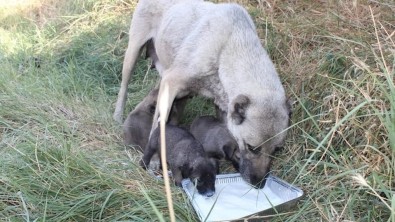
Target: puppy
186,158
213,50
217,142
137,126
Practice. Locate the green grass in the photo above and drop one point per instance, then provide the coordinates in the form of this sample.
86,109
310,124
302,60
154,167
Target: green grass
61,154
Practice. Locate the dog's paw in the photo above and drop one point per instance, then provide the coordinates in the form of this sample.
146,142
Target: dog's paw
117,117
142,164
177,183
154,165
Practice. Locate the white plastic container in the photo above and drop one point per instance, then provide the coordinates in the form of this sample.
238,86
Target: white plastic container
235,199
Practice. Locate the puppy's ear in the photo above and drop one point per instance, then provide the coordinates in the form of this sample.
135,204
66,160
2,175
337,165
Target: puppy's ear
239,106
229,150
151,108
214,163
190,170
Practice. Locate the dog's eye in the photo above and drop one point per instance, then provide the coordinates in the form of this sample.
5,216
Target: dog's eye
253,149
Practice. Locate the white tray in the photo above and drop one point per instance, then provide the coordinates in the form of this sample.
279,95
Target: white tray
235,199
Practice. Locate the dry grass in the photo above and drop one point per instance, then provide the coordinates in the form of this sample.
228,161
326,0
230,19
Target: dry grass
61,157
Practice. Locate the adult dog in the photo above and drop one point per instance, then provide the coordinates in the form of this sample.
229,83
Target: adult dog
213,50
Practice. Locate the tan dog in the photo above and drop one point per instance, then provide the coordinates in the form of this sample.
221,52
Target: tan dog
213,50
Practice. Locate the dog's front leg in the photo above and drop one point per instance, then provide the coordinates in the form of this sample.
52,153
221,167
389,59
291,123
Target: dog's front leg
138,36
128,64
177,176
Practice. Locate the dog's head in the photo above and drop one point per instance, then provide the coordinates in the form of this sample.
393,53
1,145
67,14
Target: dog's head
202,173
259,127
149,102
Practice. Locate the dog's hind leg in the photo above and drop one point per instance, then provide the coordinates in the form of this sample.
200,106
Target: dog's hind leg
139,34
172,86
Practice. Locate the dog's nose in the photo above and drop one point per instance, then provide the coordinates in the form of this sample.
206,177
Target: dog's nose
258,183
209,193
261,184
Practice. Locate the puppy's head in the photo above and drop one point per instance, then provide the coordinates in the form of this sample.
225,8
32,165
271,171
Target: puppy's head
148,104
202,173
259,127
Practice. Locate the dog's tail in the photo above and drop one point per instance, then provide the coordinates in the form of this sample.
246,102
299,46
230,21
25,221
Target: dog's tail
163,109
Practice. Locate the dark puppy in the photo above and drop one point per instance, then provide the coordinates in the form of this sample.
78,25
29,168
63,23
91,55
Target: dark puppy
186,158
216,139
137,126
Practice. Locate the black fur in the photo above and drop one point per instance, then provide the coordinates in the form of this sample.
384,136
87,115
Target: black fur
137,126
186,158
216,139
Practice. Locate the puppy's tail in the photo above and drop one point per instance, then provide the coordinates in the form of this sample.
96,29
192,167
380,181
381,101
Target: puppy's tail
163,109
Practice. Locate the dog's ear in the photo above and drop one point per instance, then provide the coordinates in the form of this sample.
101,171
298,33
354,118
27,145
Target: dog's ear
215,164
212,161
193,174
190,170
229,150
151,108
239,106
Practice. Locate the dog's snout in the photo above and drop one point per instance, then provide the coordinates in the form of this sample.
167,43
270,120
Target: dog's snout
209,193
261,184
258,182
206,191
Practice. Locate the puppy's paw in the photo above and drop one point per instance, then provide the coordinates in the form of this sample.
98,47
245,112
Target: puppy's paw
177,183
154,165
142,164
